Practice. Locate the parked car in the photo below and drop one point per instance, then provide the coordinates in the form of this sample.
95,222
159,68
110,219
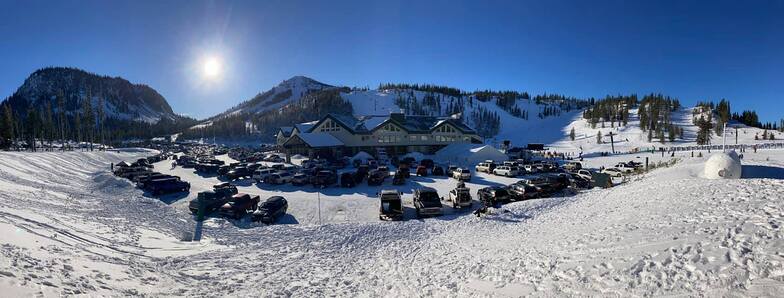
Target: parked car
271,210
462,174
450,170
225,188
207,168
531,168
505,171
300,179
573,166
222,170
209,200
427,202
438,171
239,172
579,181
280,178
523,191
376,177
494,194
460,197
384,170
391,205
613,172
486,167
404,169
325,178
142,179
625,168
585,174
262,175
399,178
167,185
421,171
239,205
348,180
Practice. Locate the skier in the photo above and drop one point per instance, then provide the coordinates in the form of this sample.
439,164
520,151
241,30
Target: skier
174,165
111,165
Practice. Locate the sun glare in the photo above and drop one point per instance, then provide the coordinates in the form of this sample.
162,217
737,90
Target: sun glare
212,67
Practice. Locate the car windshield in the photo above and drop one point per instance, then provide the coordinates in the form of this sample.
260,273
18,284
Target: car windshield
428,196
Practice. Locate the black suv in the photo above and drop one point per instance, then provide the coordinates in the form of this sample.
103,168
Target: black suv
167,185
494,194
427,202
272,209
239,172
325,178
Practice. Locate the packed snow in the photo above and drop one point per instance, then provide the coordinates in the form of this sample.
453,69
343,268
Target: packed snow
70,227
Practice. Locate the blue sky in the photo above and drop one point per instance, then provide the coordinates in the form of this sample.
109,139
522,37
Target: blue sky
693,50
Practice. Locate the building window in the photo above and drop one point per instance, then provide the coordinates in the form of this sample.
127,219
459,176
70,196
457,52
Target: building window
423,138
412,138
445,129
365,138
389,139
391,128
329,125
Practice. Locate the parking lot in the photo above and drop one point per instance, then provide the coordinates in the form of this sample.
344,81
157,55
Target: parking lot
337,204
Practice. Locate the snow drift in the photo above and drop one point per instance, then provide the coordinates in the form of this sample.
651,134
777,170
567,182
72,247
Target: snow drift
723,166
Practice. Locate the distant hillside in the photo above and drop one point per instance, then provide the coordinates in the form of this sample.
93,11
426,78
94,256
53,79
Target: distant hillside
71,98
495,115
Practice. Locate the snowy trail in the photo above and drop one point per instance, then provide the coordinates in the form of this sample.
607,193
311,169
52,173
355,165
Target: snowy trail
69,227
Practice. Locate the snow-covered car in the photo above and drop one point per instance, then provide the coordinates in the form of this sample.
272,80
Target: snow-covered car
507,171
261,175
460,197
280,178
613,172
427,202
462,174
391,205
271,210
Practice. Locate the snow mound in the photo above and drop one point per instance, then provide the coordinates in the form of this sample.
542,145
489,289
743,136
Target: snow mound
723,166
362,156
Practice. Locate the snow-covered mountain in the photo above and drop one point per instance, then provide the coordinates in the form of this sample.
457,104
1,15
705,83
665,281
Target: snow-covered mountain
122,100
286,92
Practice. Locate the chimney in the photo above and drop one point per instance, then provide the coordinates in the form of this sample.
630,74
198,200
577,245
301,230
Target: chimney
399,117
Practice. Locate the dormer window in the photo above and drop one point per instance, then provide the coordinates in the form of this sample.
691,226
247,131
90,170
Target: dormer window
446,129
329,125
391,128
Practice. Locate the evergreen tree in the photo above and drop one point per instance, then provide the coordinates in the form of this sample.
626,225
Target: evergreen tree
572,134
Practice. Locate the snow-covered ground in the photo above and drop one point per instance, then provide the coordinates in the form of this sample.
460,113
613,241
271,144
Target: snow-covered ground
68,226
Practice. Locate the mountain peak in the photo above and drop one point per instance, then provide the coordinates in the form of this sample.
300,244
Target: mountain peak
300,80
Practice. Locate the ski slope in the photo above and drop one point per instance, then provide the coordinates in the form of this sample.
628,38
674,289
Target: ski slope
70,227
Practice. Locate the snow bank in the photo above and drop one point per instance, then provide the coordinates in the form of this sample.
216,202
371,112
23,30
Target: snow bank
723,165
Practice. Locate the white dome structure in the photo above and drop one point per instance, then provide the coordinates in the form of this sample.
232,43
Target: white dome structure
723,166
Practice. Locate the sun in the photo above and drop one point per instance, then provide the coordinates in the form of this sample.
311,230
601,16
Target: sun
211,67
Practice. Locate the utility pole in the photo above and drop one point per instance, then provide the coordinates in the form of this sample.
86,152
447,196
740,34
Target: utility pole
612,142
724,138
318,194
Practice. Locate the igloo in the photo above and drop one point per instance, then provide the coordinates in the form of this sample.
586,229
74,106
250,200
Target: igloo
723,166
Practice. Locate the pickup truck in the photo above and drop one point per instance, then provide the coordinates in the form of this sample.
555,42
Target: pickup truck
209,201
239,205
391,205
